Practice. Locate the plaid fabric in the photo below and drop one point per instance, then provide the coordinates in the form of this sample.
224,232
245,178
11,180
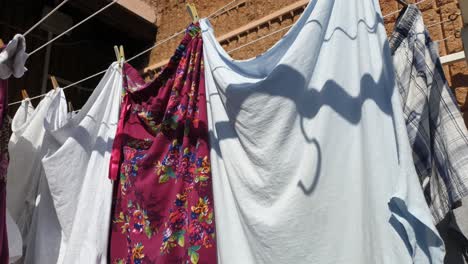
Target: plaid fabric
435,126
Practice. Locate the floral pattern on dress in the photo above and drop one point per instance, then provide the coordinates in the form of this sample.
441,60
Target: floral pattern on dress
163,205
134,220
197,223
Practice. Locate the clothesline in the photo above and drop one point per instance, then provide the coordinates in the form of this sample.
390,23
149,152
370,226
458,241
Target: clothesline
130,59
398,11
75,26
451,18
287,27
180,32
263,37
45,17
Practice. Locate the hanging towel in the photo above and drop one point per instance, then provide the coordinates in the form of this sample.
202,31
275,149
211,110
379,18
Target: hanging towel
311,161
77,167
436,129
28,197
13,57
163,210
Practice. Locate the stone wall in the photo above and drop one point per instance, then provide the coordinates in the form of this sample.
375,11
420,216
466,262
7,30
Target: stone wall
172,17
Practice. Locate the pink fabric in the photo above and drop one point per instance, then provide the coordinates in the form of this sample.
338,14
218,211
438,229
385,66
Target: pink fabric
116,155
163,204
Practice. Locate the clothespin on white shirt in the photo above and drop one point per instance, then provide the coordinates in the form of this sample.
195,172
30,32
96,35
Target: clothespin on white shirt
192,10
117,53
24,94
54,82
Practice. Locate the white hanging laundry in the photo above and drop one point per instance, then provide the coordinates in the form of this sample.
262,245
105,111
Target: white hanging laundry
28,195
310,158
15,242
13,57
77,172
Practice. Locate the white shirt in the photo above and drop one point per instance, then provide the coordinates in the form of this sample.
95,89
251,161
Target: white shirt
77,171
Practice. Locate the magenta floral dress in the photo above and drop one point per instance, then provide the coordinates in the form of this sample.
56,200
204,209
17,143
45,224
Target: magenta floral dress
163,204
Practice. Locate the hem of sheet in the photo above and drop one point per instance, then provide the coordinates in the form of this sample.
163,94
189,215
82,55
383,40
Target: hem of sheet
15,242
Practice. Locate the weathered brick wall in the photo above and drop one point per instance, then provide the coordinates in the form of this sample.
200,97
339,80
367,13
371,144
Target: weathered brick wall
172,17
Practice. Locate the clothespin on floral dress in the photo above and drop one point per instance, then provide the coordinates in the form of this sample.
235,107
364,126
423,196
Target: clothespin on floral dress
24,94
192,10
54,82
119,55
122,54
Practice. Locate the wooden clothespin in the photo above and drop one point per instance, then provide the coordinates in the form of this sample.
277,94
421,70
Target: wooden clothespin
24,94
2,43
192,10
117,53
122,53
54,82
70,107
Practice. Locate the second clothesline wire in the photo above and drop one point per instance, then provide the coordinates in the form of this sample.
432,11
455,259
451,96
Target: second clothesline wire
181,32
128,60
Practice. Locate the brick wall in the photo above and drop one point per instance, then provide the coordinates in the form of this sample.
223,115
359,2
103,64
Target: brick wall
435,12
172,17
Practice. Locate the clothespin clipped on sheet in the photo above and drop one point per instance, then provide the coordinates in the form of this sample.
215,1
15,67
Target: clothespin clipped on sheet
54,82
70,107
192,10
24,94
119,54
122,54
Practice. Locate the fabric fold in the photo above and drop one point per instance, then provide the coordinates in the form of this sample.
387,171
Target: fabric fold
15,242
28,197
